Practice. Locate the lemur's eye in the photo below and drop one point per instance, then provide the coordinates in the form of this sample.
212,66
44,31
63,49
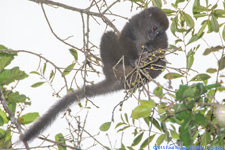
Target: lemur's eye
155,27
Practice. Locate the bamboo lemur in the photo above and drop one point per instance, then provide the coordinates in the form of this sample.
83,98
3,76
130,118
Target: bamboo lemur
146,28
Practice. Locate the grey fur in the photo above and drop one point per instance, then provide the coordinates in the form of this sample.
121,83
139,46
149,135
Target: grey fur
146,28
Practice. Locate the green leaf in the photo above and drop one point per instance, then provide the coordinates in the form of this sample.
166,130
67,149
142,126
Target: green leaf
221,63
8,76
195,38
206,138
220,13
126,117
51,75
120,124
173,26
4,116
149,120
196,15
190,22
178,40
3,47
12,106
147,141
212,49
74,53
138,139
160,139
188,93
211,86
185,136
196,134
193,91
158,91
164,127
150,104
37,84
1,121
180,91
214,23
221,89
143,110
216,48
198,89
196,3
122,147
28,118
5,58
214,6
223,33
174,128
199,8
16,97
190,59
172,75
156,124
200,32
207,51
168,12
157,3
5,61
209,27
200,118
178,1
5,139
69,69
35,72
174,47
200,77
211,70
162,108
124,128
60,139
105,126
44,69
174,134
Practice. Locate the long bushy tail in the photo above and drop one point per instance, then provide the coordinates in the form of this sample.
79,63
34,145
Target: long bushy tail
89,91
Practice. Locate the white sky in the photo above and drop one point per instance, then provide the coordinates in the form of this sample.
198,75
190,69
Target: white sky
23,27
